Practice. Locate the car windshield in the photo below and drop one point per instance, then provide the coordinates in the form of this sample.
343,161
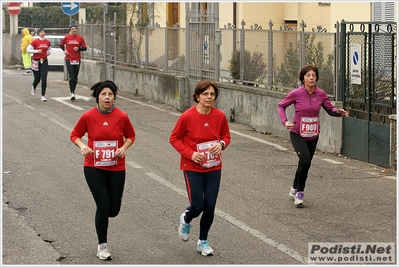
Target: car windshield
55,41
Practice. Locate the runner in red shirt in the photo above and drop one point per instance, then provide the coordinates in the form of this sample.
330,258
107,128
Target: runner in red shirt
41,49
72,45
200,134
110,133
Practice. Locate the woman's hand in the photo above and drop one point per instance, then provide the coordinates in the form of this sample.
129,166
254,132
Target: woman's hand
86,151
342,112
198,157
120,152
216,149
289,125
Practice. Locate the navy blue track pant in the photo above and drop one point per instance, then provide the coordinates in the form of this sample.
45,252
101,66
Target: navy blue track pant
202,190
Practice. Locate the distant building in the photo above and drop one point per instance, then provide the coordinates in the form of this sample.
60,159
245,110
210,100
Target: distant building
313,14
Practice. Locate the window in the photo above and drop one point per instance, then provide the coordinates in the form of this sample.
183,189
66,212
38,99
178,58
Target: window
146,14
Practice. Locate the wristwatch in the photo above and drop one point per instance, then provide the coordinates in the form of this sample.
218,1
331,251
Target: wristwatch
223,144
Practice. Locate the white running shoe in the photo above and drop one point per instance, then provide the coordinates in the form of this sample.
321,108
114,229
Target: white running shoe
204,248
72,96
184,228
298,200
103,252
43,98
292,192
33,91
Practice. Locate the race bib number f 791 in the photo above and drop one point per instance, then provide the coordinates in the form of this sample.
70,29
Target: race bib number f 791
309,126
211,160
104,153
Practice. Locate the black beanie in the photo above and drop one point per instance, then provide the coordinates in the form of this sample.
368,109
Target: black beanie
97,88
73,25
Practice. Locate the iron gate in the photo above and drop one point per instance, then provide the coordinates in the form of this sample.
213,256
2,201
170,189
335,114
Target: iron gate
367,84
202,36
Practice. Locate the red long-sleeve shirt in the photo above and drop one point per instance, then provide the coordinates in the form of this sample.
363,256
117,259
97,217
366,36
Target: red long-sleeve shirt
193,128
70,41
37,44
114,126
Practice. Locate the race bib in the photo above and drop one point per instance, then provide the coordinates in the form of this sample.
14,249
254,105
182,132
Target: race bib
309,126
35,65
211,160
104,153
74,62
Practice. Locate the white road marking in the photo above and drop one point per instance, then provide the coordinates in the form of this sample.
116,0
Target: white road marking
141,103
259,140
376,174
333,161
390,177
243,226
19,102
69,129
134,165
66,100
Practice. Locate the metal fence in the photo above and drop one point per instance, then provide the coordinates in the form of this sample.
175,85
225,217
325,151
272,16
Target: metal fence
254,56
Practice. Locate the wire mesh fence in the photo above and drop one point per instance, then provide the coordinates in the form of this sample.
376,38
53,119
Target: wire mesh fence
265,58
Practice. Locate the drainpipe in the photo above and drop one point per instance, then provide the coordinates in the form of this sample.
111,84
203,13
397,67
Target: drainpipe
235,26
235,14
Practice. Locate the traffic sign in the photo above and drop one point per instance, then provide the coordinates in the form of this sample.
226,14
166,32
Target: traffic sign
70,8
13,8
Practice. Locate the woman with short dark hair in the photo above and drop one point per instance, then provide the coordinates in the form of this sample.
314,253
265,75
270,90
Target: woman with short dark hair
200,135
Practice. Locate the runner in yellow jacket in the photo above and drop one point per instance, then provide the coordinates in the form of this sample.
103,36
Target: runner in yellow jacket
26,57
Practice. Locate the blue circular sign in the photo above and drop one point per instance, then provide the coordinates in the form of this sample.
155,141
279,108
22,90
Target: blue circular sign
355,57
70,8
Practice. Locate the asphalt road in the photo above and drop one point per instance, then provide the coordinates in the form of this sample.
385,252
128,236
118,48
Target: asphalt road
48,211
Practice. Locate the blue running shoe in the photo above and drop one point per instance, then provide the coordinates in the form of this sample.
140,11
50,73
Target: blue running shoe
184,228
204,248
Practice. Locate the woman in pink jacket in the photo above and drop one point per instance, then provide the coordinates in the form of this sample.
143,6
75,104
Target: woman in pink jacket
305,128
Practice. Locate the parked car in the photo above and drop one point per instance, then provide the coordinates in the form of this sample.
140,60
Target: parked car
57,57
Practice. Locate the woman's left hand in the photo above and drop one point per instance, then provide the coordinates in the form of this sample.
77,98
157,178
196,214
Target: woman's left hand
216,149
120,152
342,112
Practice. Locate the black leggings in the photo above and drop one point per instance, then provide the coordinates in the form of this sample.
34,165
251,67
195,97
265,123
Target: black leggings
305,151
202,190
41,74
73,72
107,189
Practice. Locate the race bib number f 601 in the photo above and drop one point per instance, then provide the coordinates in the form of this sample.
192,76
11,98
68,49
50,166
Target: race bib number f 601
104,153
211,160
74,62
309,126
35,65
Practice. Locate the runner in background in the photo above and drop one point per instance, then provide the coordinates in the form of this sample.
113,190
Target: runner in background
200,135
308,99
41,49
72,45
110,133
